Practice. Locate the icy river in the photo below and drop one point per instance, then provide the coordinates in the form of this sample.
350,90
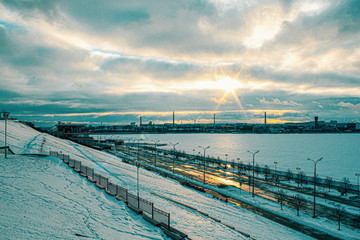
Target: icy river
340,152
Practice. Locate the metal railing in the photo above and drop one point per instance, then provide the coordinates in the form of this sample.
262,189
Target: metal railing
116,190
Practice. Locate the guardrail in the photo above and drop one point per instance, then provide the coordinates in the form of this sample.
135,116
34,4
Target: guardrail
137,203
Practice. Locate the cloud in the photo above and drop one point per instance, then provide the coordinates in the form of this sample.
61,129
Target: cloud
219,100
69,57
349,105
277,101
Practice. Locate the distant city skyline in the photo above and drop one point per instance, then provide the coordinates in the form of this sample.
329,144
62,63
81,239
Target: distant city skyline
114,61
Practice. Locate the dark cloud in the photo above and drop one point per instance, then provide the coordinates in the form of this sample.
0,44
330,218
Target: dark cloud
74,57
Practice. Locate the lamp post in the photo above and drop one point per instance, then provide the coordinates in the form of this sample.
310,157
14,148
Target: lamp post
298,169
315,162
137,164
174,144
5,115
275,163
204,148
226,155
358,175
138,147
155,150
239,174
128,145
253,171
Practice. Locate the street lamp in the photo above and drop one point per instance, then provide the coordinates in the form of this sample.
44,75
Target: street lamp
298,169
204,148
155,150
275,163
239,174
5,115
174,144
253,169
137,164
138,147
226,155
315,162
357,175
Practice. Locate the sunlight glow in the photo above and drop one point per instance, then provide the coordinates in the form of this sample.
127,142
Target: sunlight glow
228,83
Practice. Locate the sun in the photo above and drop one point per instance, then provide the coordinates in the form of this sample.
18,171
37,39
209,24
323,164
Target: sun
227,83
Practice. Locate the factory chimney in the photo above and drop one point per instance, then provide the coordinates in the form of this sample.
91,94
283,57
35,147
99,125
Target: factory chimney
173,118
265,119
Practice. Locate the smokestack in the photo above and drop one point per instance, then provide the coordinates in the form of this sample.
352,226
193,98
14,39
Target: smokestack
265,118
214,118
173,118
140,121
316,122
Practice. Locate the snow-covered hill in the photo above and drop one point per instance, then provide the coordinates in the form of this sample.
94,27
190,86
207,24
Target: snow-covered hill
88,208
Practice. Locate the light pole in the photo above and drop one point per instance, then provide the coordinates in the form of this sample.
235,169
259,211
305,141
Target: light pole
204,148
138,147
138,179
275,163
6,115
155,150
226,155
298,169
239,174
315,162
174,144
358,175
253,170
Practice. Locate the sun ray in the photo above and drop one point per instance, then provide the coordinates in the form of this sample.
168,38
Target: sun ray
240,105
223,97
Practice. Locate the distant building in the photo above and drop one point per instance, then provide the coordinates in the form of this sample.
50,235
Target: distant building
74,132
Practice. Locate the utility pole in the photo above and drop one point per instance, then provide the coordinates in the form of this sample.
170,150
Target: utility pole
204,148
5,115
358,175
315,162
253,171
155,150
174,144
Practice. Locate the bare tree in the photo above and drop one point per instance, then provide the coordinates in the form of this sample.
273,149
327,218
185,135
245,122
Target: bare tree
289,174
344,185
297,202
257,168
281,197
266,171
339,214
323,192
301,177
329,182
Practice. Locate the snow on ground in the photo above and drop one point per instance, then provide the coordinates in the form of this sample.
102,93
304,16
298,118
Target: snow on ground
25,140
42,198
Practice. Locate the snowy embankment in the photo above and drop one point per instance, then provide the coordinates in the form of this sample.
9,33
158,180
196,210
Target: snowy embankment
26,140
41,198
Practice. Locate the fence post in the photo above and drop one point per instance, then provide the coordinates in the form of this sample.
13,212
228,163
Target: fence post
152,210
169,222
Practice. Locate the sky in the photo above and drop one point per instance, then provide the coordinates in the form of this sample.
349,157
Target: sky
114,61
